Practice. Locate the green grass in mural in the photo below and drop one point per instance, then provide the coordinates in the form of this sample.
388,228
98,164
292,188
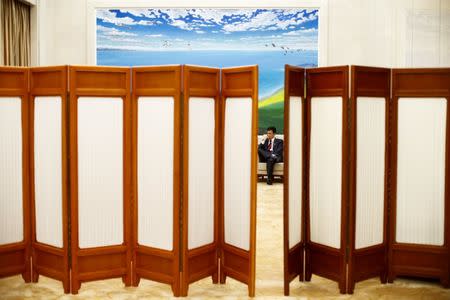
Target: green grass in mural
271,115
276,97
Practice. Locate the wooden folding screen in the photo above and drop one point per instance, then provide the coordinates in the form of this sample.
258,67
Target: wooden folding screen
293,189
420,166
238,198
49,173
327,169
156,138
201,187
370,102
100,169
14,176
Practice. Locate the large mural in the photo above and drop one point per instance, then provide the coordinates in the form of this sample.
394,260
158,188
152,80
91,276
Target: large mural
269,38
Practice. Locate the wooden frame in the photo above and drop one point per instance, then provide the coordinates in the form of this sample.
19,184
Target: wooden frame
202,261
323,260
419,259
149,262
369,261
49,260
15,257
294,78
109,261
235,262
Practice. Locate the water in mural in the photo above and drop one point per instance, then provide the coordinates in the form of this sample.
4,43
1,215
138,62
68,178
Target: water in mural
269,38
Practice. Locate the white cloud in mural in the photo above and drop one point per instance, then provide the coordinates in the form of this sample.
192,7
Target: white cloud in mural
228,29
110,17
301,32
228,20
109,31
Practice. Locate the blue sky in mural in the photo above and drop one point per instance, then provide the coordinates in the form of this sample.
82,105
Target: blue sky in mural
270,38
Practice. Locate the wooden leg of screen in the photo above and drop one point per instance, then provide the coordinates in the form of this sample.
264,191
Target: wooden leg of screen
34,276
351,286
75,284
286,287
26,275
126,279
342,287
251,289
308,273
215,277
445,282
66,286
390,276
184,287
136,281
383,276
176,288
135,278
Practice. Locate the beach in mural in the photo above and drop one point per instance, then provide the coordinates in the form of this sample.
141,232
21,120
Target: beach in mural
269,38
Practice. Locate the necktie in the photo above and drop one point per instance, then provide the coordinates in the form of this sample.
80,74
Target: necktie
270,145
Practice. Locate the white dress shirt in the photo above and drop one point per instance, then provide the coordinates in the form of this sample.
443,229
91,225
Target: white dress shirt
271,145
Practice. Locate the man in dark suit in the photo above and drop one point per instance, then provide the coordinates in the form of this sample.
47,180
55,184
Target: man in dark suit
271,152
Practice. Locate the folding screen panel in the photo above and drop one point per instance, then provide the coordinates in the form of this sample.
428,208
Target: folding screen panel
370,96
327,168
49,177
100,170
238,198
420,185
14,176
293,193
156,140
200,174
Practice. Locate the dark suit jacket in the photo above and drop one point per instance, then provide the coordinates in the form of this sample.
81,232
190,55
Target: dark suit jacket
278,147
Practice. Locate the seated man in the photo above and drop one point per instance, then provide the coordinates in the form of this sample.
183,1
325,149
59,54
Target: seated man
271,152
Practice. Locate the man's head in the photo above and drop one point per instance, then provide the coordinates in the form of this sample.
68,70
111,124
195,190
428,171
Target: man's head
271,132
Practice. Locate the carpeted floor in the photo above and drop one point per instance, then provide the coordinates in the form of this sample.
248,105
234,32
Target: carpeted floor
269,274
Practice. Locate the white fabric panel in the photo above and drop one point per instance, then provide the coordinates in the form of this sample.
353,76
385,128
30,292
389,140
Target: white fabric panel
326,170
201,172
237,171
421,170
295,170
11,206
100,171
155,171
48,170
370,164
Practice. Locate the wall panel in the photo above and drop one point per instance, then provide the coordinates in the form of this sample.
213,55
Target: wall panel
100,169
201,166
238,206
420,183
14,178
369,171
156,177
294,183
327,168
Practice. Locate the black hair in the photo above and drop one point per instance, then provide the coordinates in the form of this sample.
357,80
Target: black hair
273,129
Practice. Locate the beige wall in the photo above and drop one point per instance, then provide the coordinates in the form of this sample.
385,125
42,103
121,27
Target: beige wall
60,32
400,33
